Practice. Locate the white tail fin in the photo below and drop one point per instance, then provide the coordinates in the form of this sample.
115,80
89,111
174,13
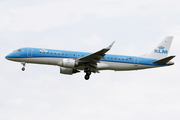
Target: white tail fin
162,50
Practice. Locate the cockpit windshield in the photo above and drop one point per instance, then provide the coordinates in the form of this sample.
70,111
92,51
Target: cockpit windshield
18,50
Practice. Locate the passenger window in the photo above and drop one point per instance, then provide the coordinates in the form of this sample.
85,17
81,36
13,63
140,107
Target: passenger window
123,59
58,53
47,52
62,53
55,53
118,58
108,57
39,51
115,58
74,54
70,54
111,58
66,54
44,52
82,55
51,53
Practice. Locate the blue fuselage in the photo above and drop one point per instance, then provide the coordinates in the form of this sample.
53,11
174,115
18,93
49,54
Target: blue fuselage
39,53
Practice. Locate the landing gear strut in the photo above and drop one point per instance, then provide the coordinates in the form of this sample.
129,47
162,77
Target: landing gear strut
88,73
23,68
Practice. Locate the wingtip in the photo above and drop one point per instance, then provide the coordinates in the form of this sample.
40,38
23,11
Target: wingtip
111,45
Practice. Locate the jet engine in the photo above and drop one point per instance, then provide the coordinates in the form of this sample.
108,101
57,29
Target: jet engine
69,63
68,71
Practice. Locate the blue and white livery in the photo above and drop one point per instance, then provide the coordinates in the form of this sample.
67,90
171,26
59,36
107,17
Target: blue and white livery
71,62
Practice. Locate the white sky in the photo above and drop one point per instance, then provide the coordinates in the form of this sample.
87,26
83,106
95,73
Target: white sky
42,93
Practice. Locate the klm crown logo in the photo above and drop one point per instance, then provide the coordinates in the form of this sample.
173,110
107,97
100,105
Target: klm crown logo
161,47
161,50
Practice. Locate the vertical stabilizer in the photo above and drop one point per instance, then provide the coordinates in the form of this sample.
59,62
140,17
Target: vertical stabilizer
162,50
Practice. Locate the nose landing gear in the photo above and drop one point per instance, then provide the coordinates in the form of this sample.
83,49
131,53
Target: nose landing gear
23,68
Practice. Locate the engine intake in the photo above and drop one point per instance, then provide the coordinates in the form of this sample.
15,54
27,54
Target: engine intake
68,71
69,63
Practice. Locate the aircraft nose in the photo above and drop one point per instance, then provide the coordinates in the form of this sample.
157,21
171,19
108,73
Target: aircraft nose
8,56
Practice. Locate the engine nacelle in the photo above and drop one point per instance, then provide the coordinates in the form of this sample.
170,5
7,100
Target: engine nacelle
69,63
68,71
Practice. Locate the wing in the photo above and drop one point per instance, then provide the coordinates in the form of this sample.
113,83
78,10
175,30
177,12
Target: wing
92,59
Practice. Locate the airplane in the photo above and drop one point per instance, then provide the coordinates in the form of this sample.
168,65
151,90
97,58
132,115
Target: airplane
72,62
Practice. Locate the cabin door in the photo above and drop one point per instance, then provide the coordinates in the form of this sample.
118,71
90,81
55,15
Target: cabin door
136,61
29,52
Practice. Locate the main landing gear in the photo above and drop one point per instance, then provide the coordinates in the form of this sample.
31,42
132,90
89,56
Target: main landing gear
23,68
88,73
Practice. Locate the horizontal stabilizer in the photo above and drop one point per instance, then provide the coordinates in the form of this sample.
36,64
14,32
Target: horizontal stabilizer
164,60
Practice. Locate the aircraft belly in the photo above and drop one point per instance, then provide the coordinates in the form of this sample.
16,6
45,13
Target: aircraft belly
121,66
36,60
103,65
126,66
44,60
40,60
54,61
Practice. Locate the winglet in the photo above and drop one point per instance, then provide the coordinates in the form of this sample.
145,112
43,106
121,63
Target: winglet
111,45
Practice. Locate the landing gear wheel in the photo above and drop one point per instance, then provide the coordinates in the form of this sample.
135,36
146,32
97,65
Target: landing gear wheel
23,69
87,77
